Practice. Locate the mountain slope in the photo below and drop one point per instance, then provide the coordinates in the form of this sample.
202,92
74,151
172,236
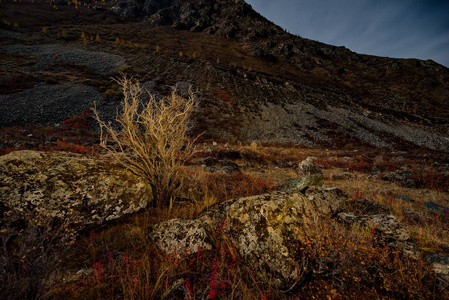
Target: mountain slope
385,95
256,82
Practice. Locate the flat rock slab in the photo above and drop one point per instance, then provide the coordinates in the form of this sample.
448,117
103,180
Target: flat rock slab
59,182
265,229
299,185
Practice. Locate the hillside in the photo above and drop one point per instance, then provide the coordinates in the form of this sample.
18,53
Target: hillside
255,81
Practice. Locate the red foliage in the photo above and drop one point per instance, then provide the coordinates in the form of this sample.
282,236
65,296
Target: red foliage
227,186
10,149
224,97
80,121
64,146
359,166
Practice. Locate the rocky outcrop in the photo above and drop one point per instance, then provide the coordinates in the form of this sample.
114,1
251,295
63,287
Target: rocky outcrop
96,190
265,229
133,9
229,19
386,229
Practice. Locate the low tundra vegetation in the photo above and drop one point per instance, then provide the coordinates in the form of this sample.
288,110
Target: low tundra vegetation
341,262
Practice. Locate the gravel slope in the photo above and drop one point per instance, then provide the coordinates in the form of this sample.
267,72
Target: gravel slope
45,56
46,104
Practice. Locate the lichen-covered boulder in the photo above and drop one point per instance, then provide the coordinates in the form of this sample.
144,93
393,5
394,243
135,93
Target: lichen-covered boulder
265,229
182,236
58,182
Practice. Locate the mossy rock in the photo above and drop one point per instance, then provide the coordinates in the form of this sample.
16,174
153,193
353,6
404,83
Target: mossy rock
267,230
97,190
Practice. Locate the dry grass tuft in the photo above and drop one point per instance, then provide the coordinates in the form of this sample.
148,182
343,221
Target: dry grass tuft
346,261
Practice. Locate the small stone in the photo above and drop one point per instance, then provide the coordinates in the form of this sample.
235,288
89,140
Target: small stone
309,166
301,184
412,216
440,265
228,170
343,176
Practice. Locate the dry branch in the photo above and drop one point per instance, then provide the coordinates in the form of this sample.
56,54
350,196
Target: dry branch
152,140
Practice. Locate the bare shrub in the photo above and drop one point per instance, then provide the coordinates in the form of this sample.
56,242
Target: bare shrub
152,140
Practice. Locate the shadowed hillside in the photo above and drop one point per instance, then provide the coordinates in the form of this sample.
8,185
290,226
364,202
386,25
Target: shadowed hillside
256,82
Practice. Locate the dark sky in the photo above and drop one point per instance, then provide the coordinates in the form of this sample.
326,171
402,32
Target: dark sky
393,28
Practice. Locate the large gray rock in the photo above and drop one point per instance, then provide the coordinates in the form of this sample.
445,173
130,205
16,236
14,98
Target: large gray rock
265,229
59,182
